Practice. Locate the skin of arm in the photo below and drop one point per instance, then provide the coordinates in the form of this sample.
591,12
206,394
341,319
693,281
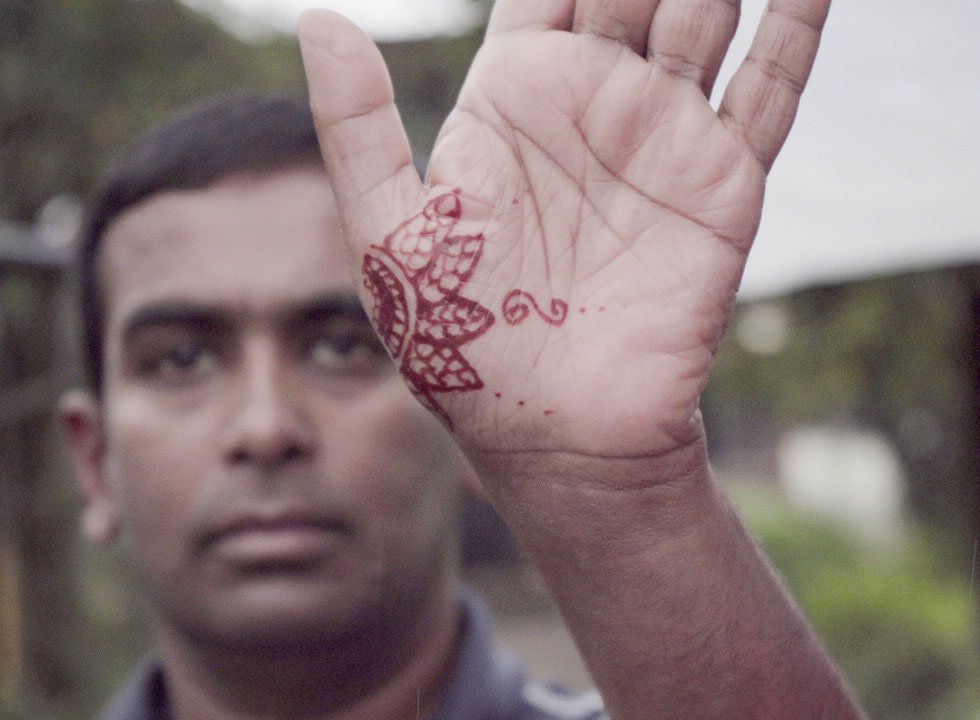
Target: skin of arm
584,173
671,601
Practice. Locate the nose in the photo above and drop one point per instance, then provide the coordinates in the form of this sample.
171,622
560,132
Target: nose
269,424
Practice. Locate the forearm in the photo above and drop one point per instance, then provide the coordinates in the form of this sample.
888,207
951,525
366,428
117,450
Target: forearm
674,607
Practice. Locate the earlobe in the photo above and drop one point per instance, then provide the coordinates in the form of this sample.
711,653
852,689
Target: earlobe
81,420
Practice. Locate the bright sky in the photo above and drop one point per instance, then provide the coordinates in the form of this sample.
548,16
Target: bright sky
882,170
382,19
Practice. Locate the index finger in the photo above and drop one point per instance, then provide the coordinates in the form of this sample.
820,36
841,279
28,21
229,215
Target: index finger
509,15
763,96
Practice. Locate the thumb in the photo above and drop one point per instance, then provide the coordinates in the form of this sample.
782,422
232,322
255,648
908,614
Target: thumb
363,142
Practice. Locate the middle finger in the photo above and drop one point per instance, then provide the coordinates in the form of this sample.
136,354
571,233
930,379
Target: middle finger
625,21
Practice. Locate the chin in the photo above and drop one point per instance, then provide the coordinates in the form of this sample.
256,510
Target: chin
272,615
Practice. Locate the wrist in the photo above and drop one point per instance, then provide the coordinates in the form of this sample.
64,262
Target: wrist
558,497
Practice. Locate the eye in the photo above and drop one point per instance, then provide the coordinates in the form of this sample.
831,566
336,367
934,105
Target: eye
187,359
346,347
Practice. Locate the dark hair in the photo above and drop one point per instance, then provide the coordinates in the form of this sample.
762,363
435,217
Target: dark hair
193,150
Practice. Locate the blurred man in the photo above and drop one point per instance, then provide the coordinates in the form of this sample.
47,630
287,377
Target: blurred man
554,297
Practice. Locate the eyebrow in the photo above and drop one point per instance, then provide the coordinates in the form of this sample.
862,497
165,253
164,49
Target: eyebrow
175,313
210,317
328,306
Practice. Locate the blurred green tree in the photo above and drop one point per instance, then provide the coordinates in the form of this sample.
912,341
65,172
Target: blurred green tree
80,79
896,354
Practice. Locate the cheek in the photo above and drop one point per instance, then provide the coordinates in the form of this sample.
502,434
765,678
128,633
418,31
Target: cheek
155,465
408,464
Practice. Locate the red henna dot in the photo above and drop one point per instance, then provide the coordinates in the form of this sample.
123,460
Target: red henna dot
515,201
549,412
497,395
521,403
582,310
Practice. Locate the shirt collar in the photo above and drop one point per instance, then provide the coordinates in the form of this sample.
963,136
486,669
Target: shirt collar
144,697
486,682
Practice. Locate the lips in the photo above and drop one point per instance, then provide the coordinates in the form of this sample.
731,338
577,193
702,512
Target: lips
276,541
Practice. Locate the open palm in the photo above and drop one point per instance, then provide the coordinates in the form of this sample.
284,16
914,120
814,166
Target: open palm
564,278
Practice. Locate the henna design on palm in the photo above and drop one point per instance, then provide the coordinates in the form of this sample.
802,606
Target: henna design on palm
415,277
518,303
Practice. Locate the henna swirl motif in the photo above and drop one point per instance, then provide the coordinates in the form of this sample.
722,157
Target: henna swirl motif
414,278
518,303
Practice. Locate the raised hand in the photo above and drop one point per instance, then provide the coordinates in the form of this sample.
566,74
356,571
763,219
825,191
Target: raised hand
564,277
556,292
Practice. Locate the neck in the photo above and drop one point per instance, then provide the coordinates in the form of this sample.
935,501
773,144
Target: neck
391,674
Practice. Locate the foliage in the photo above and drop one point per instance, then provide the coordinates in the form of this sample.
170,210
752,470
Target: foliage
899,620
891,354
427,77
78,80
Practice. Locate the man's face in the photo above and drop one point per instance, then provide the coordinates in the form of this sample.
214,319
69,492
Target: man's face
269,470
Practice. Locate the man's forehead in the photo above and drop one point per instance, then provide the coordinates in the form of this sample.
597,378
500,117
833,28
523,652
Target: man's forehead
261,241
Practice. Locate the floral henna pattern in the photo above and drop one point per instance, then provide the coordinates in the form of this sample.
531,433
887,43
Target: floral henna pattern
415,277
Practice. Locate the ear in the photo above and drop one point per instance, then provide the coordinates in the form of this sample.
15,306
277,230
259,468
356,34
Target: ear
81,420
